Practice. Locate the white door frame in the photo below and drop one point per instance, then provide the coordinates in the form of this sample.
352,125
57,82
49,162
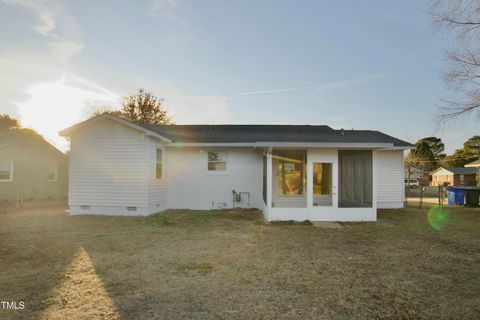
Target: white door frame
322,213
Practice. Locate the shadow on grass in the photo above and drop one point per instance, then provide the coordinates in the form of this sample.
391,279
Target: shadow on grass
229,264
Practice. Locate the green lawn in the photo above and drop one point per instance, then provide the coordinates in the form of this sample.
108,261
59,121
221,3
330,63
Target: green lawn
230,264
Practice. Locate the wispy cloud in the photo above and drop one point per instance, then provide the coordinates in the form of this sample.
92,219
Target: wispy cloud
166,9
43,12
56,24
325,86
187,108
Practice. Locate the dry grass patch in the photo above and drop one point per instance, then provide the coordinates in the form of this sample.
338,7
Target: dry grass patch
229,264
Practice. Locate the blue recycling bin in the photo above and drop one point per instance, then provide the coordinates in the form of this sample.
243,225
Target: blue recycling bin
456,196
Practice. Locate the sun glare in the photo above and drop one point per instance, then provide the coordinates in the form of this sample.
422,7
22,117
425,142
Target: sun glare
55,105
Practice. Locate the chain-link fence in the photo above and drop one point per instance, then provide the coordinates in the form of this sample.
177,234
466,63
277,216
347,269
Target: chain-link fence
425,196
20,196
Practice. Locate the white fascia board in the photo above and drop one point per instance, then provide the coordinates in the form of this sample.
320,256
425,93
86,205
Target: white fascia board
438,169
472,165
289,145
142,129
66,132
221,144
333,145
400,148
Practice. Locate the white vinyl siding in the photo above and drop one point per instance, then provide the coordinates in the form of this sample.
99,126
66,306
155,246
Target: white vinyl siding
108,166
389,177
157,188
191,186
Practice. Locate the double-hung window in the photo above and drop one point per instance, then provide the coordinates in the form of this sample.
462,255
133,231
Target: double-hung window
158,166
52,173
217,161
6,171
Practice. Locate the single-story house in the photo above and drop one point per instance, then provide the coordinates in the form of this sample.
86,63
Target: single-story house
454,176
31,168
290,172
475,164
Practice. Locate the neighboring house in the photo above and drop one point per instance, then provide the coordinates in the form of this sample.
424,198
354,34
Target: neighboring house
419,174
454,176
31,168
476,165
289,172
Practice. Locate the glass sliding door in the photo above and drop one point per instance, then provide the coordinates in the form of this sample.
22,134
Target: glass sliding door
322,184
355,178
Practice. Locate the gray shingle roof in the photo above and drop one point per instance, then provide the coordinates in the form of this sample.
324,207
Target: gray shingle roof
461,170
270,133
475,163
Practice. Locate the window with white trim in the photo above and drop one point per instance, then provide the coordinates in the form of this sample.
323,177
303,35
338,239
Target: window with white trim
158,167
217,161
6,171
52,173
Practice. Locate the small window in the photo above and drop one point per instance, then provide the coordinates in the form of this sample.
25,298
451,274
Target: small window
6,171
158,167
52,173
217,161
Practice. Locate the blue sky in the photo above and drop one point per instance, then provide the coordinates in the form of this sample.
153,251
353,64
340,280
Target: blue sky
373,64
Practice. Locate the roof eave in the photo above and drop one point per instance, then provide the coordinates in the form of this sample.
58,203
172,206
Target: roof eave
474,164
266,144
68,131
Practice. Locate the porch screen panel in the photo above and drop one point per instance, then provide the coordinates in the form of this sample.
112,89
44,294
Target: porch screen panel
290,174
355,178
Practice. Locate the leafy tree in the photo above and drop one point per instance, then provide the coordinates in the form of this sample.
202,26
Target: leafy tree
422,157
427,155
10,126
461,18
469,153
436,145
106,109
141,107
7,122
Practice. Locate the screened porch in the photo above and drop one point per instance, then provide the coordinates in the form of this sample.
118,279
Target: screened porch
318,180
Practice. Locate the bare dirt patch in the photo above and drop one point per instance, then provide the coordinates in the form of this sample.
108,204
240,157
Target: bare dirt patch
230,264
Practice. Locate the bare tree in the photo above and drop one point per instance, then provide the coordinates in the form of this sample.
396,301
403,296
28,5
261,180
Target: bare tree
144,107
461,18
141,107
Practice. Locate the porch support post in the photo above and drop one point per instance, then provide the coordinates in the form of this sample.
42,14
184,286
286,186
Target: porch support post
269,181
